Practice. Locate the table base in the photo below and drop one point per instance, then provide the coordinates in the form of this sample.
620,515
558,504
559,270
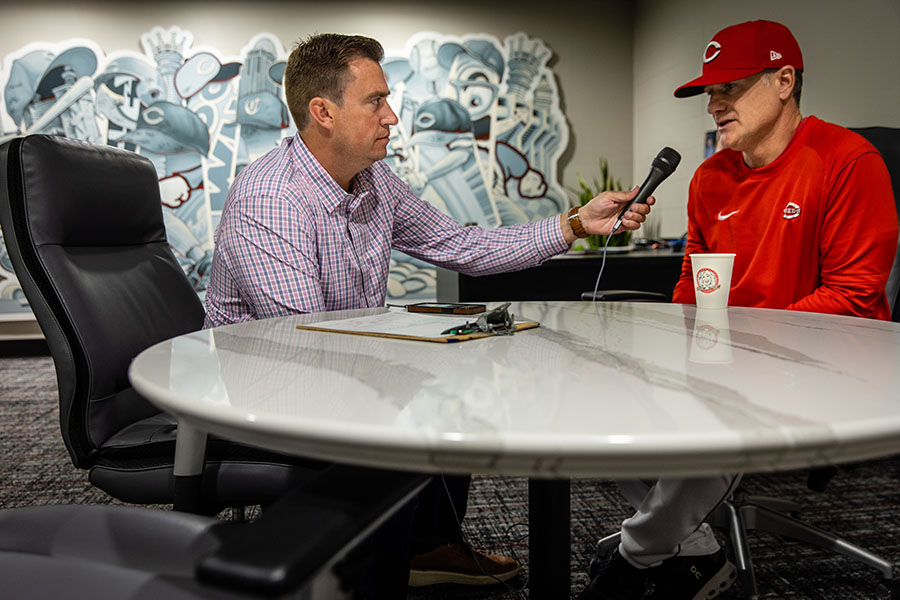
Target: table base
549,538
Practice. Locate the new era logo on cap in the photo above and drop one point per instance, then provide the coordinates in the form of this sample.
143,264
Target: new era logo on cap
743,50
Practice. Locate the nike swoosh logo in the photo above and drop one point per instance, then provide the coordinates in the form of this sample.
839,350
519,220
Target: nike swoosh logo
728,216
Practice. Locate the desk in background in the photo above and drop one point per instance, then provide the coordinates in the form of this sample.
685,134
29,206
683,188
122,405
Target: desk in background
566,276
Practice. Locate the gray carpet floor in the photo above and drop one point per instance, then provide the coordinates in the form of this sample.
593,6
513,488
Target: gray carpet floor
863,503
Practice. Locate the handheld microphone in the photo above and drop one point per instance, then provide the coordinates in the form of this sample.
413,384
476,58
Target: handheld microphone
663,165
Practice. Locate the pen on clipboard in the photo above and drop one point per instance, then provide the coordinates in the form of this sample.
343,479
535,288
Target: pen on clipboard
460,329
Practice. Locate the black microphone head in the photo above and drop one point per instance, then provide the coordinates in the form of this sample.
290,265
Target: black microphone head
667,160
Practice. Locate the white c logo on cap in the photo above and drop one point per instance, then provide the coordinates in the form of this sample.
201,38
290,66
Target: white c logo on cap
154,115
206,66
251,107
712,44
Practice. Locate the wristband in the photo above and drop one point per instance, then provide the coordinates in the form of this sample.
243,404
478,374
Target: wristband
575,223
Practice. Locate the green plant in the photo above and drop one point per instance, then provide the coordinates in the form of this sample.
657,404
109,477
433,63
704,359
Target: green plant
585,192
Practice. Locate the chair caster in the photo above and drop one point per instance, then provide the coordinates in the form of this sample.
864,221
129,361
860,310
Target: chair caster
888,589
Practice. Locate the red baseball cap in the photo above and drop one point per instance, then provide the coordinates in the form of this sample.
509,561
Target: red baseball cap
743,50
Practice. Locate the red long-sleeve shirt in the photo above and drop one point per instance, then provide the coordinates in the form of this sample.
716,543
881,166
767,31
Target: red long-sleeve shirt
815,230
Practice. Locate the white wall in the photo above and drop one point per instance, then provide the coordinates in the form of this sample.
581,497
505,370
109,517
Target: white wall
851,54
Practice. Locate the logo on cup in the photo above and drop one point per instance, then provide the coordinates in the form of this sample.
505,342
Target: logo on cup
707,281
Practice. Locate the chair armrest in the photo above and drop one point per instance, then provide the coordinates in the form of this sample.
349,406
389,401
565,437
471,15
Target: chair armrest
625,296
308,529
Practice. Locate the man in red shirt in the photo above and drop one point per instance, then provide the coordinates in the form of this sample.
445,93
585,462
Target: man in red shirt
793,198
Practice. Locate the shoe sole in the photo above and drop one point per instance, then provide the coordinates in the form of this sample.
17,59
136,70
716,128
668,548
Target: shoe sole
423,578
718,583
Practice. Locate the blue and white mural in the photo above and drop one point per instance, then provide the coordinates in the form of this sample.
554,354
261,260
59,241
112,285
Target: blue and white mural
480,130
480,133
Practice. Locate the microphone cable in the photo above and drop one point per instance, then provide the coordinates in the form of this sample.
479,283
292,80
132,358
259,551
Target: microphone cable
602,265
663,165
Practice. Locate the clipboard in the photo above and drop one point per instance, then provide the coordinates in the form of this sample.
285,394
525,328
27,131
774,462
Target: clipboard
405,326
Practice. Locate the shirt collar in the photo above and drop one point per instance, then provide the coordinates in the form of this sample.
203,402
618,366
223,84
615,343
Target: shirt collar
327,189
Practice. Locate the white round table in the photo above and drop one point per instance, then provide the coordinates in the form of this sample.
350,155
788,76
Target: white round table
598,390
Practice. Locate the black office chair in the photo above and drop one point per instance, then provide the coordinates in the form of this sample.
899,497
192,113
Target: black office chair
887,141
309,544
84,229
743,511
625,296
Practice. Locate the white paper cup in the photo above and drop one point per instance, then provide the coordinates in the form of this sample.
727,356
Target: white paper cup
711,337
712,279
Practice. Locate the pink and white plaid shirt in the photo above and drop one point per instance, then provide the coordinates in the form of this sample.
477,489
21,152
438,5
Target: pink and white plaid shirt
290,240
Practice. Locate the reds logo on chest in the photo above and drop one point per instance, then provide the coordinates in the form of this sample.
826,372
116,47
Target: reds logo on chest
791,211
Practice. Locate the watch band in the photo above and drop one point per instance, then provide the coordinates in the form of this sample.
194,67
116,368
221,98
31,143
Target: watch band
575,223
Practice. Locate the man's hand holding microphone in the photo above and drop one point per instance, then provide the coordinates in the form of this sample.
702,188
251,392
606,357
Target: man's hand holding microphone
615,211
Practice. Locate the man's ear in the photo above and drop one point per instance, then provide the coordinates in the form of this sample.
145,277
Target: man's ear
320,112
786,78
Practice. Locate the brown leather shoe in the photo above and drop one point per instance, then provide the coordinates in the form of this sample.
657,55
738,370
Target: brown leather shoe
460,563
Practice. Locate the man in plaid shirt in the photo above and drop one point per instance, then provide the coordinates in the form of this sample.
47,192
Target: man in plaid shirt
310,227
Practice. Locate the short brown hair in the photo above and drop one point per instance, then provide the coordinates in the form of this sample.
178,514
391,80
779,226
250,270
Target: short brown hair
317,67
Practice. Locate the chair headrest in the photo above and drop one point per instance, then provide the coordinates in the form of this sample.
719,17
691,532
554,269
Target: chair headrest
887,141
82,194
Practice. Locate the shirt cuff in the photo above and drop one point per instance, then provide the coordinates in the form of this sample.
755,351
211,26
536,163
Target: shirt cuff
548,237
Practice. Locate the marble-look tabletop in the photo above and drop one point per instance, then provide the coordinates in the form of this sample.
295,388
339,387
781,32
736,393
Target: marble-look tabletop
606,389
